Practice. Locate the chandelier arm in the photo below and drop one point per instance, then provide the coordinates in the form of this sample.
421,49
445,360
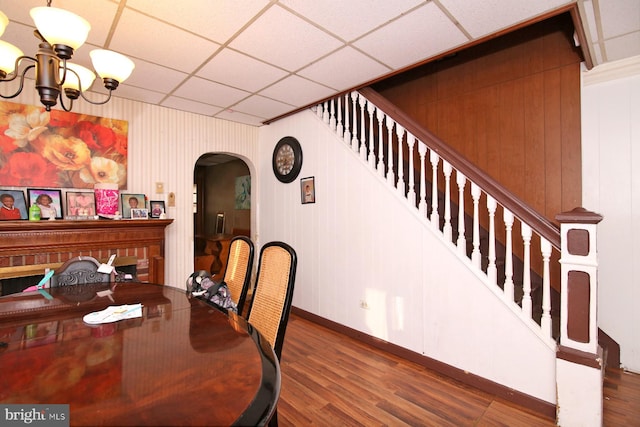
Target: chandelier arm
64,107
96,102
24,72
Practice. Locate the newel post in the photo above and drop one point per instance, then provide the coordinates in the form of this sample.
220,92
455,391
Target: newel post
579,361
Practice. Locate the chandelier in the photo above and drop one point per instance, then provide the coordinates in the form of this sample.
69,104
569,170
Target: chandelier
60,33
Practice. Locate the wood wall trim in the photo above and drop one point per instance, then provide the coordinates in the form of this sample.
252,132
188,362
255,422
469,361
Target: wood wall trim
533,404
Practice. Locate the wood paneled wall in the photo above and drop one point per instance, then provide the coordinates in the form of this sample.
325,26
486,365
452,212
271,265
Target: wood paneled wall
511,106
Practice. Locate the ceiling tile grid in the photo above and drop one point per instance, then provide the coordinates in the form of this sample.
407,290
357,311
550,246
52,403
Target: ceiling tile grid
252,61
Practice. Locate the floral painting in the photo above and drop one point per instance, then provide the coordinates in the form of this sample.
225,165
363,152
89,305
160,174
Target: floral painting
60,149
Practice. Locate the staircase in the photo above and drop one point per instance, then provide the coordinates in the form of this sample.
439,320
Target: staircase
512,249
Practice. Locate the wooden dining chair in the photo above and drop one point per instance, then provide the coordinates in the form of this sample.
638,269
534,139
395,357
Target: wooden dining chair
237,275
272,296
79,270
273,292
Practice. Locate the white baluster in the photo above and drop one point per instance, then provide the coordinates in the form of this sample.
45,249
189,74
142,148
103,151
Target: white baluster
325,116
391,178
435,216
447,230
411,194
372,155
476,258
354,138
526,275
545,322
363,136
319,111
422,206
339,128
492,272
347,129
461,180
380,116
332,115
508,256
400,183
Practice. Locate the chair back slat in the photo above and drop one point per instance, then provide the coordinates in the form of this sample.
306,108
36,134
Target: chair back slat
271,304
79,270
237,275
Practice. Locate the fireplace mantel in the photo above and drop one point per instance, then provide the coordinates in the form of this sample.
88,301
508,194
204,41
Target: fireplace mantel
26,243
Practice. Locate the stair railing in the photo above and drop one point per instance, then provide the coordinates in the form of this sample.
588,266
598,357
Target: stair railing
483,218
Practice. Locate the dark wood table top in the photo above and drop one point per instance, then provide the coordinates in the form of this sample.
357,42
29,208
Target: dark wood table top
182,363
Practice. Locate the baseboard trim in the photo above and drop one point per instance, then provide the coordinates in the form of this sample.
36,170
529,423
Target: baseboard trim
530,403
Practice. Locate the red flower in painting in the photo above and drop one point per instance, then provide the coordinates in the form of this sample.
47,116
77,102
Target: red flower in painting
25,169
97,137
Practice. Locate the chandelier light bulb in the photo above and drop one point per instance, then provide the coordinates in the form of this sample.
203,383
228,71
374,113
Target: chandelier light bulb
8,55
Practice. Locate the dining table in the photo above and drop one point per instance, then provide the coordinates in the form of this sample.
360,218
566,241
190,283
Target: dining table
182,362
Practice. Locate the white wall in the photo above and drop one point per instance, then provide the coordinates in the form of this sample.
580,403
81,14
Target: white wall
359,242
611,187
164,145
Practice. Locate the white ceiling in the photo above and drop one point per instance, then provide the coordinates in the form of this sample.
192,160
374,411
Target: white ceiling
253,60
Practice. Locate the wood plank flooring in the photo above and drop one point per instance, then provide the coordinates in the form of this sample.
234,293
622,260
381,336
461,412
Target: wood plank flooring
329,379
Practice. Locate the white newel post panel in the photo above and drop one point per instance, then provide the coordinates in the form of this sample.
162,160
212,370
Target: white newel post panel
579,363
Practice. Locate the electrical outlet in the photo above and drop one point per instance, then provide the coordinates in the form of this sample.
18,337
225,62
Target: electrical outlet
159,188
363,304
172,200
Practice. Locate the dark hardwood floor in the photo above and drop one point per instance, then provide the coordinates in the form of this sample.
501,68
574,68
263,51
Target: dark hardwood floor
329,379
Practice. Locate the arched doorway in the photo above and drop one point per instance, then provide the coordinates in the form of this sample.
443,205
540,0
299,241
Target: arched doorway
222,208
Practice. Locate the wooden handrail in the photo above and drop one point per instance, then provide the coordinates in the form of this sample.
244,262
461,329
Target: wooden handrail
542,225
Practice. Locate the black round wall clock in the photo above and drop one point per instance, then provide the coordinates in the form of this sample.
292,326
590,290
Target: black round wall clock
287,159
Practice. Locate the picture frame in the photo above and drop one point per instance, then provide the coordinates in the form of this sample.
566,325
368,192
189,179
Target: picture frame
308,190
48,210
127,203
139,213
19,203
80,205
156,208
220,223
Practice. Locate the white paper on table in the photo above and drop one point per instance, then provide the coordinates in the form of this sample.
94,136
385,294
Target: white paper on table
113,313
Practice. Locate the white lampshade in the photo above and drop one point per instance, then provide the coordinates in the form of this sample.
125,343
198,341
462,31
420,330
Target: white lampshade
111,65
71,81
59,26
8,55
4,21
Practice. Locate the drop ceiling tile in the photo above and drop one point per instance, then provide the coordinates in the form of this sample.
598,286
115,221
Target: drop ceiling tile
619,17
623,47
238,70
408,40
361,68
262,107
346,19
216,20
480,18
297,91
235,116
283,39
190,106
209,92
136,94
155,77
159,43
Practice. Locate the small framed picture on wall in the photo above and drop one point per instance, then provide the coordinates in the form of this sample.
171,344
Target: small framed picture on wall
308,190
